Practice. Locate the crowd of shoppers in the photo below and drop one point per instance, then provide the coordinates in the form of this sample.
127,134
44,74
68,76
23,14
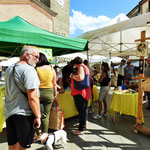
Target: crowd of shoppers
33,81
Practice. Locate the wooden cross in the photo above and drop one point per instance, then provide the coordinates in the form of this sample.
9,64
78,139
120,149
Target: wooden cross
140,91
143,38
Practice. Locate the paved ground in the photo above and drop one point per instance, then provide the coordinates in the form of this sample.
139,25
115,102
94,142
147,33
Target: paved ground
102,134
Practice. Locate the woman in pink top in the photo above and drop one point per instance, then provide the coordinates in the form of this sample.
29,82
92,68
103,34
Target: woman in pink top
81,97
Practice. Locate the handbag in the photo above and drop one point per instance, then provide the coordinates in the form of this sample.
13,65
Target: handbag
56,118
84,84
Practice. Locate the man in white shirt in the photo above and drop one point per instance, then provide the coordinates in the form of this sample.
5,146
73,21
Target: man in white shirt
120,80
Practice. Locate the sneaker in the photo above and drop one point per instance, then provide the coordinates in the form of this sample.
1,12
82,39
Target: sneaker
97,116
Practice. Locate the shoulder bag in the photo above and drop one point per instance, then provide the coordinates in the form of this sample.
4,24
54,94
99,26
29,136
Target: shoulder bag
84,84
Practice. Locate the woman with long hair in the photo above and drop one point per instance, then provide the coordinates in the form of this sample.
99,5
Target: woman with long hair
82,96
48,89
105,85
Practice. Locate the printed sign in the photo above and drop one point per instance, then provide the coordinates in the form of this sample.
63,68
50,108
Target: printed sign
142,49
47,51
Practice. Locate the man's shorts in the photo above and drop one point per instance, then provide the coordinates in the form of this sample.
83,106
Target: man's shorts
20,129
103,93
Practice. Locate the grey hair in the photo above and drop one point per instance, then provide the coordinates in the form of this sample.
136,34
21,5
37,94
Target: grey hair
24,50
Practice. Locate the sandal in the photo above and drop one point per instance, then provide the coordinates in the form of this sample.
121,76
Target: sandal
77,132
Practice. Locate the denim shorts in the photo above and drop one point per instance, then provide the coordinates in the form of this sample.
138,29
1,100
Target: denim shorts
103,93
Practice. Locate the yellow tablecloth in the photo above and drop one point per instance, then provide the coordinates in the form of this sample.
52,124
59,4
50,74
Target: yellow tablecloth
95,93
2,99
65,101
125,104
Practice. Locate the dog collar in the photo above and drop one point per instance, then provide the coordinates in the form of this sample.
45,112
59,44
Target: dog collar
45,141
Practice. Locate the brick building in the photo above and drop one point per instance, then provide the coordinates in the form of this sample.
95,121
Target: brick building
51,15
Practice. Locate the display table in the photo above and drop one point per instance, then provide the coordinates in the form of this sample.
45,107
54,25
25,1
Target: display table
125,103
65,101
2,101
95,93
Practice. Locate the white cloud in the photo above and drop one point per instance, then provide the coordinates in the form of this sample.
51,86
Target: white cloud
85,23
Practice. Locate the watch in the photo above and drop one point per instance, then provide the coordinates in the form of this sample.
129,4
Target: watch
60,2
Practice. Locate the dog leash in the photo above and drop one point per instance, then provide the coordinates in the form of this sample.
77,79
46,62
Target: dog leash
54,139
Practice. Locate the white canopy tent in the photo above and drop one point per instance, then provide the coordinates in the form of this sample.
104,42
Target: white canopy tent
69,57
118,39
92,59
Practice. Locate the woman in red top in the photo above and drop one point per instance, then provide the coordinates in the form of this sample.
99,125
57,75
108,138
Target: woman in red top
81,97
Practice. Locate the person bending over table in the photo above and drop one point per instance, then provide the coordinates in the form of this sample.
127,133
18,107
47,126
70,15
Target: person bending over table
66,71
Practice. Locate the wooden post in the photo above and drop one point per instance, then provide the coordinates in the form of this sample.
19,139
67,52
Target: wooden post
141,76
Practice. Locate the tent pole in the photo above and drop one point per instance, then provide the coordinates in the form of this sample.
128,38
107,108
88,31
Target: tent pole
87,56
55,60
88,53
120,41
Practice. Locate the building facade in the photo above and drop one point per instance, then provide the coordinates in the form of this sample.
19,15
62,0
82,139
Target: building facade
142,7
50,15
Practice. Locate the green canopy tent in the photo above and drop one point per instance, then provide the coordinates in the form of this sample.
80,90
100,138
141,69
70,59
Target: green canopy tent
16,32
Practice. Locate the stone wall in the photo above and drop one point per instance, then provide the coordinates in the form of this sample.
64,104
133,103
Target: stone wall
29,12
62,18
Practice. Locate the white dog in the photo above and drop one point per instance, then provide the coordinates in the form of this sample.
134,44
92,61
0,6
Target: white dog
50,139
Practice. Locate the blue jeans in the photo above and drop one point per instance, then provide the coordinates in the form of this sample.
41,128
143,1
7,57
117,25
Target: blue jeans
82,107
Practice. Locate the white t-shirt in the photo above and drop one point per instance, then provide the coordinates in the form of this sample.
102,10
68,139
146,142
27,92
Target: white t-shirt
121,70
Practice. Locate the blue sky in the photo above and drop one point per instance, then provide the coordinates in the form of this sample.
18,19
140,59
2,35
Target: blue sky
86,15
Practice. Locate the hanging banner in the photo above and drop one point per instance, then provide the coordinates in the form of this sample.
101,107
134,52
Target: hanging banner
47,51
